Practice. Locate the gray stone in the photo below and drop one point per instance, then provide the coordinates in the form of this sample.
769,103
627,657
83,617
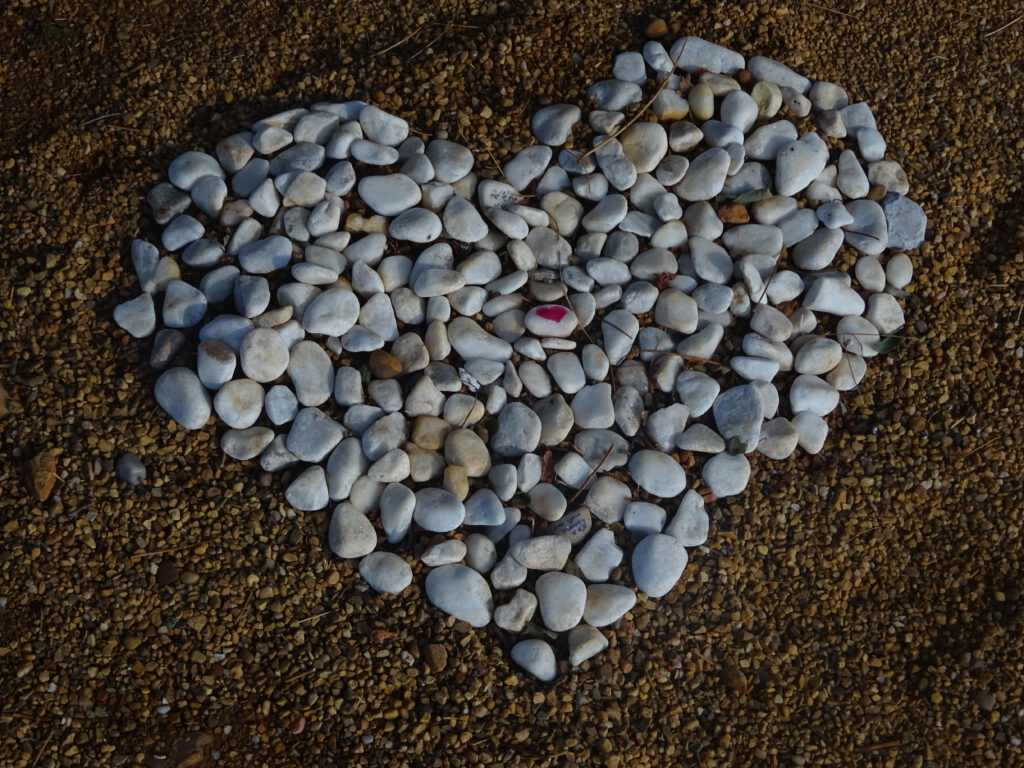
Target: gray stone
553,125
657,473
658,562
180,393
350,534
397,503
585,642
518,433
726,474
130,469
461,592
542,553
514,615
386,572
537,658
438,510
906,222
562,599
607,603
308,491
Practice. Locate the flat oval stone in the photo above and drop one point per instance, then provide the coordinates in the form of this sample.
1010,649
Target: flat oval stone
553,125
266,255
537,658
562,599
332,313
311,373
542,553
471,341
350,533
263,355
189,167
551,320
383,127
451,161
438,510
239,403
389,194
180,393
657,473
706,176
658,562
463,221
386,572
607,603
461,592
726,475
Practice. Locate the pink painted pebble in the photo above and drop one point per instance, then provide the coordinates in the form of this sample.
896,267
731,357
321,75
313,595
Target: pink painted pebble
550,320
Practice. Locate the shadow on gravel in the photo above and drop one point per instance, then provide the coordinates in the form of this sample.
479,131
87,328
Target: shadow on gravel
1005,239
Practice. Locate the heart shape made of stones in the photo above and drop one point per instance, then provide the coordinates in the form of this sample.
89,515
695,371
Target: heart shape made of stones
530,376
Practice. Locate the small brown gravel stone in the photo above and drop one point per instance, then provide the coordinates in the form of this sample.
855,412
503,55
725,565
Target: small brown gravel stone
384,365
655,29
734,213
436,656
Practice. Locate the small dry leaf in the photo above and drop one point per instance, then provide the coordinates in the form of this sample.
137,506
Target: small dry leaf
41,474
382,636
547,467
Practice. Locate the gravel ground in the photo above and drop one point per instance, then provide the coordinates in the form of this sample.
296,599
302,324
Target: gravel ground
860,607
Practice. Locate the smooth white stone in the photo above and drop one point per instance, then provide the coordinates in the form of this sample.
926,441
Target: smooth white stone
514,615
726,475
657,473
811,431
562,599
658,562
537,658
607,603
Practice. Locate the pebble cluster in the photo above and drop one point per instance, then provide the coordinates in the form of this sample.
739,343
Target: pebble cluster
531,364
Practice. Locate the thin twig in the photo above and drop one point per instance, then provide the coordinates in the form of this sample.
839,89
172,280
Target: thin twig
316,616
150,552
826,8
640,112
981,447
880,746
39,754
593,472
1007,25
494,160
405,39
102,117
445,31
301,675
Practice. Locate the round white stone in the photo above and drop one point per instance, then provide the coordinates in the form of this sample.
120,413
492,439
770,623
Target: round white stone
562,599
657,473
537,658
461,592
658,562
180,393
